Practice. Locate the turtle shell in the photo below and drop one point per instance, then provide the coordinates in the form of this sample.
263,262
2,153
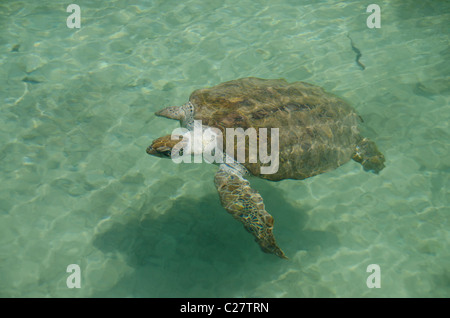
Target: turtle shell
318,131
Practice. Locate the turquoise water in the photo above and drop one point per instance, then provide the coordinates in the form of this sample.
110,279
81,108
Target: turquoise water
76,115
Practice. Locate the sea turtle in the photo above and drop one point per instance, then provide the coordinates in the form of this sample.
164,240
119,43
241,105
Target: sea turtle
317,132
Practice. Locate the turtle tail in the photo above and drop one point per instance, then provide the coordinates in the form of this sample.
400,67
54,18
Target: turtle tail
368,155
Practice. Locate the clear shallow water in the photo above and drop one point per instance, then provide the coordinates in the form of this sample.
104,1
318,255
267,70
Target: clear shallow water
76,114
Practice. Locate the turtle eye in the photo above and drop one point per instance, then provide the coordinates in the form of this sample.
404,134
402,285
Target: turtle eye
166,153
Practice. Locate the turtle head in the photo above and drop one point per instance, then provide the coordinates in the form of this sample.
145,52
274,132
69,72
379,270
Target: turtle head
162,147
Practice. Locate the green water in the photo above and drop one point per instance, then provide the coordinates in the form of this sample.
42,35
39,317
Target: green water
76,115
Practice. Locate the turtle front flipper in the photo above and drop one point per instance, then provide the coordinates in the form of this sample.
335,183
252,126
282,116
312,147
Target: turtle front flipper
172,112
246,205
184,113
368,155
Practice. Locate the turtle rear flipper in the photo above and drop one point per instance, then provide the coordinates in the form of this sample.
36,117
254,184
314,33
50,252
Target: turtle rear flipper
246,205
368,155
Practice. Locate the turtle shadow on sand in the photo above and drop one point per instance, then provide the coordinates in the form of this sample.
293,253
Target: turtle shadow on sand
196,249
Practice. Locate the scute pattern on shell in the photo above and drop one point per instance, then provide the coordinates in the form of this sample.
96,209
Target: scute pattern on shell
318,131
